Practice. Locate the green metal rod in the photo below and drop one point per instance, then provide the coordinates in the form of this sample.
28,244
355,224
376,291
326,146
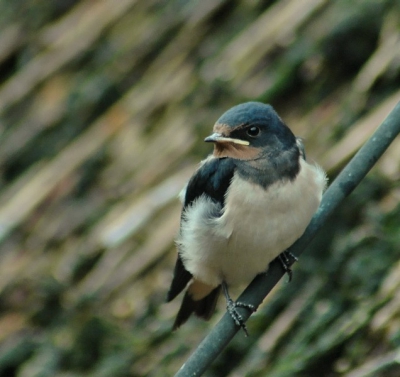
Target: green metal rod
262,284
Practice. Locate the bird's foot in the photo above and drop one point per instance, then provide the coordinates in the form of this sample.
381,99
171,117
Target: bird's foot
231,307
285,262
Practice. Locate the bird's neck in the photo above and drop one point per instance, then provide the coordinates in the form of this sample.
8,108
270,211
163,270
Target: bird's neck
270,169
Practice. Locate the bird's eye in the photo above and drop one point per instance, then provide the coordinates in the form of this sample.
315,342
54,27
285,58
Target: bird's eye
253,131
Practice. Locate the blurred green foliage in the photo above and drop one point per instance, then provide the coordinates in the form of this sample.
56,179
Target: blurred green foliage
104,106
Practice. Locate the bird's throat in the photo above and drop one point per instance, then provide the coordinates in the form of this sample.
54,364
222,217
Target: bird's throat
236,151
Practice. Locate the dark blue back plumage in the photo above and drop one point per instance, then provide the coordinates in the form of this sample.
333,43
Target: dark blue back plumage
212,179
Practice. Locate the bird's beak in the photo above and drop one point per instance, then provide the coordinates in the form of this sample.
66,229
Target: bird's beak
218,138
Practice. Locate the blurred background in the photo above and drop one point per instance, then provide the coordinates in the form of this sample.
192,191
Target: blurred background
104,107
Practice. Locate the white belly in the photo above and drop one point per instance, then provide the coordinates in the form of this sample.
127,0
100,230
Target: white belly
256,227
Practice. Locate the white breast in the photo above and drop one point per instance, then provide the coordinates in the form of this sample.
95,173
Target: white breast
255,228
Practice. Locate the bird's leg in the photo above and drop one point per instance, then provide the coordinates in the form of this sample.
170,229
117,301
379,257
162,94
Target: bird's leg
232,306
285,262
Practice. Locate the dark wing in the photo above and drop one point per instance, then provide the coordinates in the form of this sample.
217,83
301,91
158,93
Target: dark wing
179,281
213,179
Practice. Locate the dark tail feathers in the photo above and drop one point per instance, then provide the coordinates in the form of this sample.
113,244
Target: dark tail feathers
203,308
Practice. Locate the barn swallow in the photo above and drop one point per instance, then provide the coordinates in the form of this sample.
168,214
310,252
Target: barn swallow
244,206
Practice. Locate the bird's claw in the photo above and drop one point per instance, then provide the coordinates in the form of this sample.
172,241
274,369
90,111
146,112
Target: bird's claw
235,315
285,262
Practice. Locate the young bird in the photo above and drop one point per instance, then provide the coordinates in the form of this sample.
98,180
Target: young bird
245,205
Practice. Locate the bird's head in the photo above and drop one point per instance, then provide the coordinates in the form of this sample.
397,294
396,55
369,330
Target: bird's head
250,131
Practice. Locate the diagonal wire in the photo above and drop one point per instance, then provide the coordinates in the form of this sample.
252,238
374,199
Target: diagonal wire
262,284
